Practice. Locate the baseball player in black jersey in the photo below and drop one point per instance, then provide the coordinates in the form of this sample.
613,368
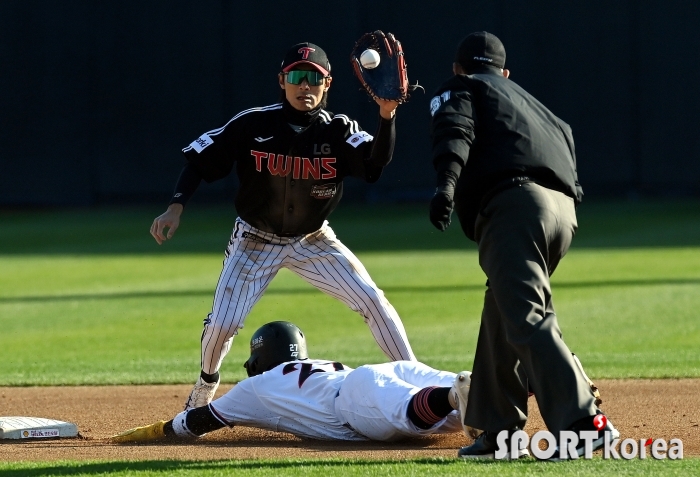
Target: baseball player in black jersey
507,165
291,159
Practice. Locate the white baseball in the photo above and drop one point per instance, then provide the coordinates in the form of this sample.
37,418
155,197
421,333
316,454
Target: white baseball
369,59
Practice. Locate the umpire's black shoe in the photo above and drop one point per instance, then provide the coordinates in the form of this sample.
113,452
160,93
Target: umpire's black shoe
486,445
598,430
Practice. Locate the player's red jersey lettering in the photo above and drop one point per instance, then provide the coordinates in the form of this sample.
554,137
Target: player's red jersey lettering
280,165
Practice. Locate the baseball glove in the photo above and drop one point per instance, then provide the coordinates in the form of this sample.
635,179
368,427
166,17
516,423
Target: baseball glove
388,80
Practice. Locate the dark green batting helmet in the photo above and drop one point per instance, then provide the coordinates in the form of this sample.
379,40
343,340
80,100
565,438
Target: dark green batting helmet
275,343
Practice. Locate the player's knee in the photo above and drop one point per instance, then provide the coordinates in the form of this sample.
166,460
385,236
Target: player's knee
218,331
376,299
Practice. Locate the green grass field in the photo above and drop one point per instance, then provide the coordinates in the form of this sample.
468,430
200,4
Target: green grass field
87,297
354,467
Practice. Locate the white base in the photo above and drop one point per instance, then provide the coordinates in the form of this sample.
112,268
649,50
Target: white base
18,427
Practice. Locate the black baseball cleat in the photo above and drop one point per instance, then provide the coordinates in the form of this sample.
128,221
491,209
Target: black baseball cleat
485,446
598,429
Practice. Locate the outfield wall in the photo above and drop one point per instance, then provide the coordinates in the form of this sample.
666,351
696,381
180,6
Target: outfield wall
98,98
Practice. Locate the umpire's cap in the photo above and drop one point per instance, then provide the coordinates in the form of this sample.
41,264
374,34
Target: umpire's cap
275,343
481,48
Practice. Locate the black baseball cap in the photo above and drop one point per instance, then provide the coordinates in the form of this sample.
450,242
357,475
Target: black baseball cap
306,53
481,47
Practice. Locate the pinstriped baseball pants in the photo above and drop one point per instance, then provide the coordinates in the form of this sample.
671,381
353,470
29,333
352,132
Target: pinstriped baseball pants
252,260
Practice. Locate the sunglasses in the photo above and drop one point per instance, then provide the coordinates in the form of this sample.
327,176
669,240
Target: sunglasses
314,78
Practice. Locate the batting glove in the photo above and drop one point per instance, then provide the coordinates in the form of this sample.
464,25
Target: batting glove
441,204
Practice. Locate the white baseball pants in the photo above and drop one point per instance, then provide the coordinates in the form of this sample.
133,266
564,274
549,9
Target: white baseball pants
374,398
252,260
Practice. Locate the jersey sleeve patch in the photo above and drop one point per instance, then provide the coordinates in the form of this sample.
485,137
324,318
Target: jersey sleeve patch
437,101
202,142
359,137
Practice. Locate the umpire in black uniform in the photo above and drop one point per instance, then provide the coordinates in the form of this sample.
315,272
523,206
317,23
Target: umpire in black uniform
507,165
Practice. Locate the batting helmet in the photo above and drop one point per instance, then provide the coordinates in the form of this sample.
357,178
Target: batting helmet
275,343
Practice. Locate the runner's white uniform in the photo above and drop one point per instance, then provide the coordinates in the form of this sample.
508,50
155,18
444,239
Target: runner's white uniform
326,400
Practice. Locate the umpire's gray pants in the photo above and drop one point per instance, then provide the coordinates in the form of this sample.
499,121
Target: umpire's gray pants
522,233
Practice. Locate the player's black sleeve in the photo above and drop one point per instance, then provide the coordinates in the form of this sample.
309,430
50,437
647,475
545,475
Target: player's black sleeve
382,150
213,153
186,185
383,144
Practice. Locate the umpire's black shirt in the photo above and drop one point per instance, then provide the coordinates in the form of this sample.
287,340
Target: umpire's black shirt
491,133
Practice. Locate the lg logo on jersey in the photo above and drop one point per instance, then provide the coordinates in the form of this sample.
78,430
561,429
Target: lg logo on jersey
300,167
325,149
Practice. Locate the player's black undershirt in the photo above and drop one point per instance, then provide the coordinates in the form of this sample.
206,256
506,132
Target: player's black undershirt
383,144
299,118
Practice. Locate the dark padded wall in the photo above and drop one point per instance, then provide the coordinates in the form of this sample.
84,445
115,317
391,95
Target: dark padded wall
98,98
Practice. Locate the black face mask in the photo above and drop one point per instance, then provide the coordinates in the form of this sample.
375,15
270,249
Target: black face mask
300,118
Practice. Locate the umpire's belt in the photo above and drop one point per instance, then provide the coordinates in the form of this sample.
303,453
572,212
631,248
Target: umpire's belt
501,186
515,182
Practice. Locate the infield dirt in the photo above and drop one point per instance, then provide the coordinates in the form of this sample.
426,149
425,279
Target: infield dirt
640,409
